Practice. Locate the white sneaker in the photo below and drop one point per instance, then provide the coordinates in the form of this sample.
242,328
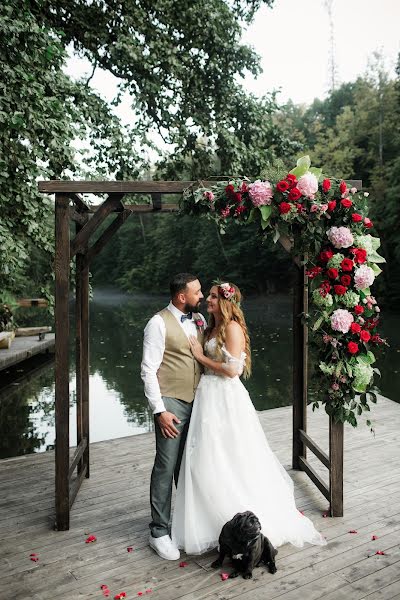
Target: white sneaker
164,547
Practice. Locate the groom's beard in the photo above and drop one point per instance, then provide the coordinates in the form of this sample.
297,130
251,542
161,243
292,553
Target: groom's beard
191,307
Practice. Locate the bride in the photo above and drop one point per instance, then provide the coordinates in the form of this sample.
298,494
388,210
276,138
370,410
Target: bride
227,465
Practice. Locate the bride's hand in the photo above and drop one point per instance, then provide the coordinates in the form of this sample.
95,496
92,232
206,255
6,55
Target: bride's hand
196,347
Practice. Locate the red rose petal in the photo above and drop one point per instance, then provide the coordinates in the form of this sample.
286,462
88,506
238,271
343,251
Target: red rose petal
380,553
224,576
149,591
140,593
374,537
301,512
325,514
35,558
183,564
91,538
353,531
130,549
104,587
33,554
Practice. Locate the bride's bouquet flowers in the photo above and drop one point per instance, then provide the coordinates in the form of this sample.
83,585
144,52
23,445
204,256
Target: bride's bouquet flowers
327,224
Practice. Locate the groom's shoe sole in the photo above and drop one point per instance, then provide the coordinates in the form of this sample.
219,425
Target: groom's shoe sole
164,556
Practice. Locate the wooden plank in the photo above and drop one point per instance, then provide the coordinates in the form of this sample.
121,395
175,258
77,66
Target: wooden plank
77,456
336,434
85,374
315,478
76,485
23,348
78,347
40,302
62,267
319,453
106,236
79,203
112,203
77,216
122,187
149,208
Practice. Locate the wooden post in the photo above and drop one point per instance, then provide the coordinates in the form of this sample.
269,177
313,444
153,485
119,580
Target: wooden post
85,364
62,361
336,439
300,304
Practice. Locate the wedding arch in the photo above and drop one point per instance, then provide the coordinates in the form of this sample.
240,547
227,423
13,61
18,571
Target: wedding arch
301,212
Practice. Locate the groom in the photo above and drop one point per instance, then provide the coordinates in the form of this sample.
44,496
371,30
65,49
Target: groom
170,375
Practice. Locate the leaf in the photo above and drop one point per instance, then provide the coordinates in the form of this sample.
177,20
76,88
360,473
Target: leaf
252,215
376,269
303,165
277,235
317,172
265,212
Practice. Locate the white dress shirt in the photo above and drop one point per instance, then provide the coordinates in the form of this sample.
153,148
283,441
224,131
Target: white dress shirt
153,352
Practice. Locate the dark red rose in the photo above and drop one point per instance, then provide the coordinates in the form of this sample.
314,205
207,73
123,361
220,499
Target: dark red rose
325,255
365,336
244,187
356,218
340,290
368,223
342,187
360,255
359,309
347,264
239,210
355,328
229,189
345,280
376,339
352,347
238,197
333,273
326,185
282,186
284,208
313,272
294,194
331,205
346,202
292,181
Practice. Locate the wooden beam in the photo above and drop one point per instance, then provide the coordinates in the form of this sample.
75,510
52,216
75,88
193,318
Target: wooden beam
78,217
106,236
79,203
121,187
336,438
76,485
299,369
315,478
156,200
149,208
62,361
112,203
315,449
77,457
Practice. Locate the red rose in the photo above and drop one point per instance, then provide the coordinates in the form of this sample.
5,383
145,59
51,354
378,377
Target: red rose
333,273
325,255
239,210
359,309
229,189
331,205
368,223
340,290
244,187
326,185
346,202
347,264
238,197
313,272
356,218
376,339
360,255
352,347
284,208
342,187
282,186
365,335
355,328
325,287
291,179
345,279
294,194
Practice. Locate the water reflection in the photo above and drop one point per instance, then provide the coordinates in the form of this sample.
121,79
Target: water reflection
117,404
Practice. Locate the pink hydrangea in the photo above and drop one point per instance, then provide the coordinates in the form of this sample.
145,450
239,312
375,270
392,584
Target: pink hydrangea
261,192
341,237
209,195
363,277
341,320
308,185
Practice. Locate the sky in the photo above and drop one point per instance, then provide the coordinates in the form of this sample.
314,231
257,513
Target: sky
292,40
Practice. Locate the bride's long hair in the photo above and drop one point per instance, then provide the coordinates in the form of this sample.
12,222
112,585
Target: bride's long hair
231,311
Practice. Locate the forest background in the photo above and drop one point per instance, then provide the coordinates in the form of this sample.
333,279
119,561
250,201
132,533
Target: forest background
183,81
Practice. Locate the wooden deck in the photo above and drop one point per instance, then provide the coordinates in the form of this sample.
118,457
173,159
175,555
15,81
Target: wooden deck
113,505
24,347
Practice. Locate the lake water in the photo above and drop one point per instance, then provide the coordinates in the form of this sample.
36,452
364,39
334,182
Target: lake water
117,404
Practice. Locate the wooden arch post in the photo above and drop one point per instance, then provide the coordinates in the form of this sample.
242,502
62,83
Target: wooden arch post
70,471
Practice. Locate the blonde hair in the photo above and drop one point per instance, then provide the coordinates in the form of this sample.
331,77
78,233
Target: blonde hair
231,311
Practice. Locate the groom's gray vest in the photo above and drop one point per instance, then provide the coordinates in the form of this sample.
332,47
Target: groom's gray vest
179,372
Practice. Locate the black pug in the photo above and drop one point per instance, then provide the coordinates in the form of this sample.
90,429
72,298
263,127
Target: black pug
242,540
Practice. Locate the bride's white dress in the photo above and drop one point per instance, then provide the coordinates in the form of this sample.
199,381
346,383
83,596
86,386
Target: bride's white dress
229,467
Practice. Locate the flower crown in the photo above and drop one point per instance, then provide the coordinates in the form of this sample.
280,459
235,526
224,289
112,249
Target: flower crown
227,291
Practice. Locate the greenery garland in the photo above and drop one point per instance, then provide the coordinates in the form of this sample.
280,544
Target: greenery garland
326,224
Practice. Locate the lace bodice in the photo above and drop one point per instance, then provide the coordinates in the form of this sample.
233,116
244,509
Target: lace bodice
234,366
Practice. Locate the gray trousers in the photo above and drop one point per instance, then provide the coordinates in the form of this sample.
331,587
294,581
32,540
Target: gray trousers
166,467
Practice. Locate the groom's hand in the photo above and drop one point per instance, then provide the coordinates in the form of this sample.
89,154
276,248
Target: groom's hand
166,422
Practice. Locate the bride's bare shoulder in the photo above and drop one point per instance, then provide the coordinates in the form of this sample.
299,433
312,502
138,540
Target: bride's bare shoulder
234,330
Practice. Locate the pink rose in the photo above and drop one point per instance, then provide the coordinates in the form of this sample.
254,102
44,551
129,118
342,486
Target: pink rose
209,196
308,185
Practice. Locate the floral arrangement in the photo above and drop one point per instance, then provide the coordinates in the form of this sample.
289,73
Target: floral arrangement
328,226
226,290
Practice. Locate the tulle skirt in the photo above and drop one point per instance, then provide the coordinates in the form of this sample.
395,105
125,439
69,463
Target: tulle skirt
229,467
